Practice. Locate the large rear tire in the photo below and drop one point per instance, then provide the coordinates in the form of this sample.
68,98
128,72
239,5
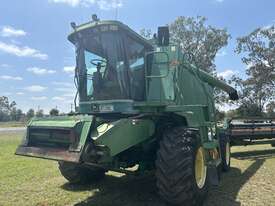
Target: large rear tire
225,151
181,171
78,174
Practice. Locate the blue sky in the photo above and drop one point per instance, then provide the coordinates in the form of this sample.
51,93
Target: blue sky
36,60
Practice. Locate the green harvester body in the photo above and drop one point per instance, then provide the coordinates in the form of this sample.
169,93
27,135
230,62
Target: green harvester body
146,86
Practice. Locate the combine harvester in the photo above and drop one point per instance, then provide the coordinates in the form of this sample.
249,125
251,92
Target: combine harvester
140,103
248,131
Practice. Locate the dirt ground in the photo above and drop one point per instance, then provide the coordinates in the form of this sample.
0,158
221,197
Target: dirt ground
27,181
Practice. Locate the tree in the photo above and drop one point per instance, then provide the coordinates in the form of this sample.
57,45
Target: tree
4,116
19,115
200,42
13,114
258,49
220,115
30,114
54,112
248,110
146,33
246,103
231,114
5,108
270,109
39,113
16,114
5,104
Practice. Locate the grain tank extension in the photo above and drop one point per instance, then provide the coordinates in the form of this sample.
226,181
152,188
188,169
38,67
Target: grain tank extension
140,103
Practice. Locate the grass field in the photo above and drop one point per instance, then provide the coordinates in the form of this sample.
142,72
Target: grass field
26,181
12,124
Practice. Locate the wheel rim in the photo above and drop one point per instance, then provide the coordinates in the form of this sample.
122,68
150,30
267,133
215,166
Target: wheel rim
227,155
200,168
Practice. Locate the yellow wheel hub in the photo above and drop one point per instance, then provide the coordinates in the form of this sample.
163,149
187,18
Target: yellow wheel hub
200,168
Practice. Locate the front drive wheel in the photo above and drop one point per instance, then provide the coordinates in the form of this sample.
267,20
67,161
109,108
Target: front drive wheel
78,174
181,169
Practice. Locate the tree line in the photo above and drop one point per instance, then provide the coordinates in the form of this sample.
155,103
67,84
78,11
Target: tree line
9,111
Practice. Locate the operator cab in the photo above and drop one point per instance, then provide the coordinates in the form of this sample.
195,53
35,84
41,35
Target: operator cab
110,61
117,69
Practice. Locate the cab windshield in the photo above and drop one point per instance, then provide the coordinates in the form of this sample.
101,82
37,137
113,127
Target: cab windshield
110,66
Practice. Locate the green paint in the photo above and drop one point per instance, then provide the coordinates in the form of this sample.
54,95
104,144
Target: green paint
59,121
57,131
122,26
123,134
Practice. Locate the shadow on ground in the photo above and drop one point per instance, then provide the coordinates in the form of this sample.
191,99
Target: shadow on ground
232,182
120,191
141,191
254,155
227,192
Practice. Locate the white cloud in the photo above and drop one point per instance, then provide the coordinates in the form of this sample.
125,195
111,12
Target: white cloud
107,5
69,69
5,66
22,51
40,71
65,84
8,31
7,77
35,88
68,90
220,1
221,54
58,98
70,102
227,73
39,98
20,93
74,3
102,4
65,89
69,94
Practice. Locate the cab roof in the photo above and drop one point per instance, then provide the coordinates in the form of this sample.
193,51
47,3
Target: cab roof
121,27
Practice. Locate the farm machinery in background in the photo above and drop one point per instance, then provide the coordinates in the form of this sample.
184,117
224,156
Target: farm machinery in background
248,131
140,103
